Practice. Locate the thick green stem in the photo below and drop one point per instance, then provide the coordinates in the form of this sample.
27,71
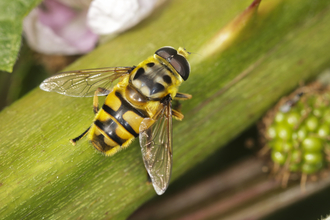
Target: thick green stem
43,176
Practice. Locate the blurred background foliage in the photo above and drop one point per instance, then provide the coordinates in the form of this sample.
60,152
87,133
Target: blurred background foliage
26,75
31,68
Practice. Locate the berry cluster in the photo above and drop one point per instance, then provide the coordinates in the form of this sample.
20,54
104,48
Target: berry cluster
300,133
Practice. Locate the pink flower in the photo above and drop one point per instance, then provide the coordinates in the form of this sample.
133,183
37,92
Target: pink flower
73,26
56,28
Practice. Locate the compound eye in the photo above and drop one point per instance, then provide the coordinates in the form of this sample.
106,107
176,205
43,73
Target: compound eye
181,65
178,62
166,52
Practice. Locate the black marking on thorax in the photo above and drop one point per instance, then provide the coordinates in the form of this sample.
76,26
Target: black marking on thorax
167,79
109,127
138,73
157,88
124,107
150,64
148,77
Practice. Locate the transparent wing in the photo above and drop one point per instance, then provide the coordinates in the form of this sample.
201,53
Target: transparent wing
156,147
80,83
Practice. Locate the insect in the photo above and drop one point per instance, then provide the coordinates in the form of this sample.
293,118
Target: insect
138,105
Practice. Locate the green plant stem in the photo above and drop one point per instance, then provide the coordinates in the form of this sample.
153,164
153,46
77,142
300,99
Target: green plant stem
43,176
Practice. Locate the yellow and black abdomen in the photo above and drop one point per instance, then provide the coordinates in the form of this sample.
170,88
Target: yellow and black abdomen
117,123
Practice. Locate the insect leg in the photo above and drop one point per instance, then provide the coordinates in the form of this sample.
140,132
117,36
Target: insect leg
104,92
177,115
182,96
177,105
74,140
95,103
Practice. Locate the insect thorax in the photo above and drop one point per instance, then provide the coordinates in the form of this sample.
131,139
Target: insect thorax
152,79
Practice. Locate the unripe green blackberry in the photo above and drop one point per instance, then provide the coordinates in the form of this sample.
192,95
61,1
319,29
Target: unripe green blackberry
300,131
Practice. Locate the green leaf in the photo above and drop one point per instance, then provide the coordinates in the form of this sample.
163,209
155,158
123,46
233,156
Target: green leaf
44,176
12,14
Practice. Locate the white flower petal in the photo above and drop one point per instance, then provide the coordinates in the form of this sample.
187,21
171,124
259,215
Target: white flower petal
113,16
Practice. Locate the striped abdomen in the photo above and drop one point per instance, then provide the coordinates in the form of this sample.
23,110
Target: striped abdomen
116,124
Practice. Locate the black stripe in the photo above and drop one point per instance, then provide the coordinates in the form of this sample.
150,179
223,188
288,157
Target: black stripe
126,106
109,127
119,117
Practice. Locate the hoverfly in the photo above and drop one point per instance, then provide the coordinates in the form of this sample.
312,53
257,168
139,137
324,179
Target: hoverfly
138,105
